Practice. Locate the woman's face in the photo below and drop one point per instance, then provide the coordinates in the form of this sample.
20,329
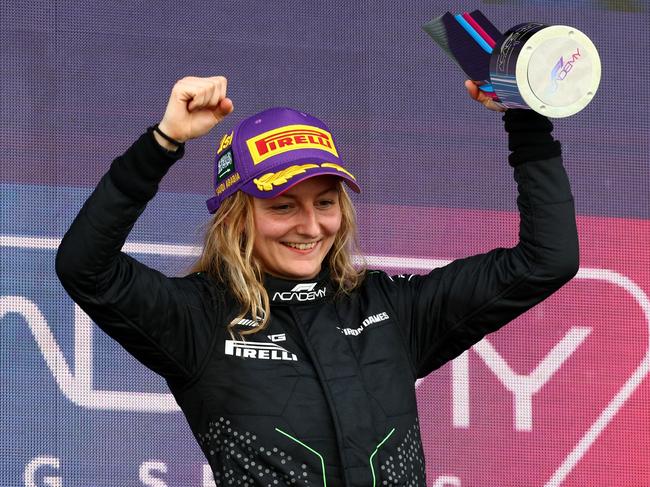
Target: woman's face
295,231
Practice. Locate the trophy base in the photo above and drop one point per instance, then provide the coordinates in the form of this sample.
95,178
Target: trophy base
554,70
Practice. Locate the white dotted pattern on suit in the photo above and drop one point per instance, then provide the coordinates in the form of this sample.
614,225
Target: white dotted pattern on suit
407,466
239,458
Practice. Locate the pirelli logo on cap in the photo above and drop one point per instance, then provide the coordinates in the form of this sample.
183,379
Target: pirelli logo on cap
288,138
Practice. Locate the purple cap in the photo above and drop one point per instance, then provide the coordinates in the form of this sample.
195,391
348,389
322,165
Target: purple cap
270,152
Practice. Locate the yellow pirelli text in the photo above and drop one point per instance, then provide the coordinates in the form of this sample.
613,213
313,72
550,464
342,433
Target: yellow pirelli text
289,138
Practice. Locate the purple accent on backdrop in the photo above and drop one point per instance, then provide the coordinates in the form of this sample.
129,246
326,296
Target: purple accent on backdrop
82,80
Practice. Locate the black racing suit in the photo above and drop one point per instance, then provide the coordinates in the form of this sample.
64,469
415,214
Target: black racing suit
326,393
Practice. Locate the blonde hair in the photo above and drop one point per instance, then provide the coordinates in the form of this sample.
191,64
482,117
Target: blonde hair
237,267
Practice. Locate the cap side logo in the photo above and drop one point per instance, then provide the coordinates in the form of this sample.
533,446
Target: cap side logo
289,138
224,185
226,141
225,165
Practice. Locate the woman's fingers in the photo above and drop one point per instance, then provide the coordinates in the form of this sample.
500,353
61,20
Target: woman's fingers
472,89
201,90
195,106
225,107
219,87
476,94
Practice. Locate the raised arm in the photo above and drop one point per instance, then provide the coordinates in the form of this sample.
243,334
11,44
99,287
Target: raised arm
150,315
452,308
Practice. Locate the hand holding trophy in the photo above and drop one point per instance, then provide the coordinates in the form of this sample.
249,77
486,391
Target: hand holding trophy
554,70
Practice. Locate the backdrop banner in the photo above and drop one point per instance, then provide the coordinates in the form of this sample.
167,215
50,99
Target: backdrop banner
559,397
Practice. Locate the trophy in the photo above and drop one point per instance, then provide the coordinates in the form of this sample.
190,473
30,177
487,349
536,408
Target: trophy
552,69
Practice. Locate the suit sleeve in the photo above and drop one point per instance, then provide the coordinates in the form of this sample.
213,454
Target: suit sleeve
447,311
161,321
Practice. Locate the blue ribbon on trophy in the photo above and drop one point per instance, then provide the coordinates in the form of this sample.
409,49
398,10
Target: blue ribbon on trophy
552,69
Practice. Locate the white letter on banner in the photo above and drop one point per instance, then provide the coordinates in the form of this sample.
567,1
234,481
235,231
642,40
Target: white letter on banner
35,464
523,387
208,478
145,471
460,390
447,481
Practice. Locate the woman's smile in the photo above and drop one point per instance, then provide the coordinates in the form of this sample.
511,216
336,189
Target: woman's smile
295,231
301,246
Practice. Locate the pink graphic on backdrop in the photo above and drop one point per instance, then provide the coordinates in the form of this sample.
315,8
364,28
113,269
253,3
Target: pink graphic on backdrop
559,396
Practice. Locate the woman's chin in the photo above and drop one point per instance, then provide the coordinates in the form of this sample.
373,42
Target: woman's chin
297,270
305,272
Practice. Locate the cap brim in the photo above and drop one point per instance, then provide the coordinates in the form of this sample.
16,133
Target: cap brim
286,176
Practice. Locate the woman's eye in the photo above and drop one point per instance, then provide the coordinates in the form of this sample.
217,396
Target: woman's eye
325,203
280,208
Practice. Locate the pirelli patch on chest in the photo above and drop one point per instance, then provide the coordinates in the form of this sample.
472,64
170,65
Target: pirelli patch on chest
258,350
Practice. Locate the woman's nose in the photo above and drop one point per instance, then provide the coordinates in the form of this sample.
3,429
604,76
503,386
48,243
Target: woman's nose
308,223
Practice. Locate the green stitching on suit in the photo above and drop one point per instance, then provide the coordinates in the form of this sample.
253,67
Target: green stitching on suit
322,460
372,469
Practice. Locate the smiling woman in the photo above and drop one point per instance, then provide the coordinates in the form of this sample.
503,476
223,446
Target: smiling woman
286,208
289,236
295,231
291,365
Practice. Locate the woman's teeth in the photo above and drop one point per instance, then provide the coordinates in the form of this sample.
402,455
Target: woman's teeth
301,246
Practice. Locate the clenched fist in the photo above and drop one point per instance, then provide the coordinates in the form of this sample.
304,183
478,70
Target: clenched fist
195,106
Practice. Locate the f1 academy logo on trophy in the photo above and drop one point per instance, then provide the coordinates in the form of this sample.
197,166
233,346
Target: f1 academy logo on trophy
552,69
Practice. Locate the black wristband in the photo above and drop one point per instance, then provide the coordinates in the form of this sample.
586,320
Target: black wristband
155,128
529,136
